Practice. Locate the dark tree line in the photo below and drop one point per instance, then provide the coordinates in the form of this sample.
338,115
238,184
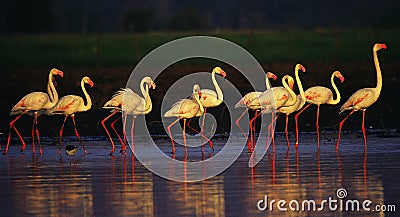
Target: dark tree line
83,16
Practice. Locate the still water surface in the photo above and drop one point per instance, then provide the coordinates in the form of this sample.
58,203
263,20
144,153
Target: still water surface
103,185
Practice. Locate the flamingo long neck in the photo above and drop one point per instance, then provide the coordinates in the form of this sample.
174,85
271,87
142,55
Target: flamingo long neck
88,100
267,84
292,98
197,98
337,100
145,92
220,95
378,87
51,90
302,95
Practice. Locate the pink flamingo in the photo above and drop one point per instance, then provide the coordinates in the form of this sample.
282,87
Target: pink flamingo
319,95
300,101
36,103
69,105
135,105
129,102
210,98
363,98
245,102
273,99
184,109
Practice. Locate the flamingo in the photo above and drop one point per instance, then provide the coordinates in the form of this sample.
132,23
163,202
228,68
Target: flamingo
363,98
34,103
210,98
247,99
135,105
69,105
319,95
274,98
300,101
184,109
129,102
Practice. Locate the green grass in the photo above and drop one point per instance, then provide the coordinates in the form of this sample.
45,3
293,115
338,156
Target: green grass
115,50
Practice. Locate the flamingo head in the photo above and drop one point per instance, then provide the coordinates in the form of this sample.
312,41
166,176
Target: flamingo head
150,83
300,67
87,80
196,89
379,46
271,75
290,81
339,75
55,71
219,71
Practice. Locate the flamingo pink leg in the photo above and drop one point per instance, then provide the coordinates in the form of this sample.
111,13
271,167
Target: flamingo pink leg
123,148
286,131
363,129
297,125
317,126
251,124
340,128
77,133
184,135
244,134
12,126
202,136
170,135
37,134
123,132
103,123
132,133
273,130
202,123
61,133
33,133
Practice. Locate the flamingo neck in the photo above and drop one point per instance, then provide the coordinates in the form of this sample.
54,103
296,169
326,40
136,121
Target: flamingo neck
378,87
148,104
197,98
337,100
51,91
267,83
292,98
88,100
302,94
220,95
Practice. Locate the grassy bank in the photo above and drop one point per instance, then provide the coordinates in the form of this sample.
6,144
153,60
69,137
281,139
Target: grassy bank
115,50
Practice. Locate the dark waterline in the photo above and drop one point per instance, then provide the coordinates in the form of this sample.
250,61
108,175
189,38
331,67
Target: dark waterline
100,185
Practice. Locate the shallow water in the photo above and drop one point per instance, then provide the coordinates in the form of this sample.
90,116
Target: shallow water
103,185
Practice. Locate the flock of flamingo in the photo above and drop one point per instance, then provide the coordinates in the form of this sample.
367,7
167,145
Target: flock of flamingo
275,100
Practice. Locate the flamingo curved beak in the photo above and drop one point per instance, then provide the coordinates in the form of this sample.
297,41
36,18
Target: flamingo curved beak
223,73
153,85
60,73
303,69
90,82
341,79
383,46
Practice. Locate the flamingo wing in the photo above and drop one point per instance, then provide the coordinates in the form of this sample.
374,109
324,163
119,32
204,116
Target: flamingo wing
67,105
359,100
248,98
318,95
209,98
34,101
